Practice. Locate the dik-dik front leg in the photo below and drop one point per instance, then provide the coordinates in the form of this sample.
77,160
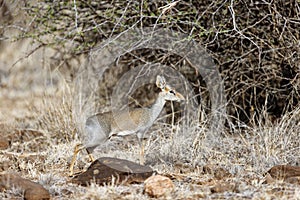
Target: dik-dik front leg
77,149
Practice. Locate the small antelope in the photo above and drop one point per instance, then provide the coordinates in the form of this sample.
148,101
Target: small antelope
101,126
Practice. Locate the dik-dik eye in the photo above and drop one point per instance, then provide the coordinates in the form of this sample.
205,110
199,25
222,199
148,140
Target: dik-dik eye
172,92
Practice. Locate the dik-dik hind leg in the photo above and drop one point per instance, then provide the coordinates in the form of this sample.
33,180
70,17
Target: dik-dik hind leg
92,159
142,151
77,149
142,154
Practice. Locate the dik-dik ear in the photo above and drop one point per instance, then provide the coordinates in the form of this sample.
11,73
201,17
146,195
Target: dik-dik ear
160,82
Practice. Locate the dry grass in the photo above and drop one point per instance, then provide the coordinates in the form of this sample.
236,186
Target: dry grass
51,112
43,109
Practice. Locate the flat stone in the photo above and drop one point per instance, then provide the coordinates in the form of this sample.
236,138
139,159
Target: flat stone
103,169
32,190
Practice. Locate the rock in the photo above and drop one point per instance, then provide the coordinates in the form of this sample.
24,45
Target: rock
288,173
269,179
293,180
17,137
284,171
103,169
5,165
184,168
158,186
4,144
32,190
223,187
26,135
218,172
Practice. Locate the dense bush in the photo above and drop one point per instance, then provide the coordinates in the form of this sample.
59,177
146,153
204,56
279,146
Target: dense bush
256,44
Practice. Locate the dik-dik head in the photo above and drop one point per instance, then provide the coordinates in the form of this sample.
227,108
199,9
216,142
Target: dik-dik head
167,92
